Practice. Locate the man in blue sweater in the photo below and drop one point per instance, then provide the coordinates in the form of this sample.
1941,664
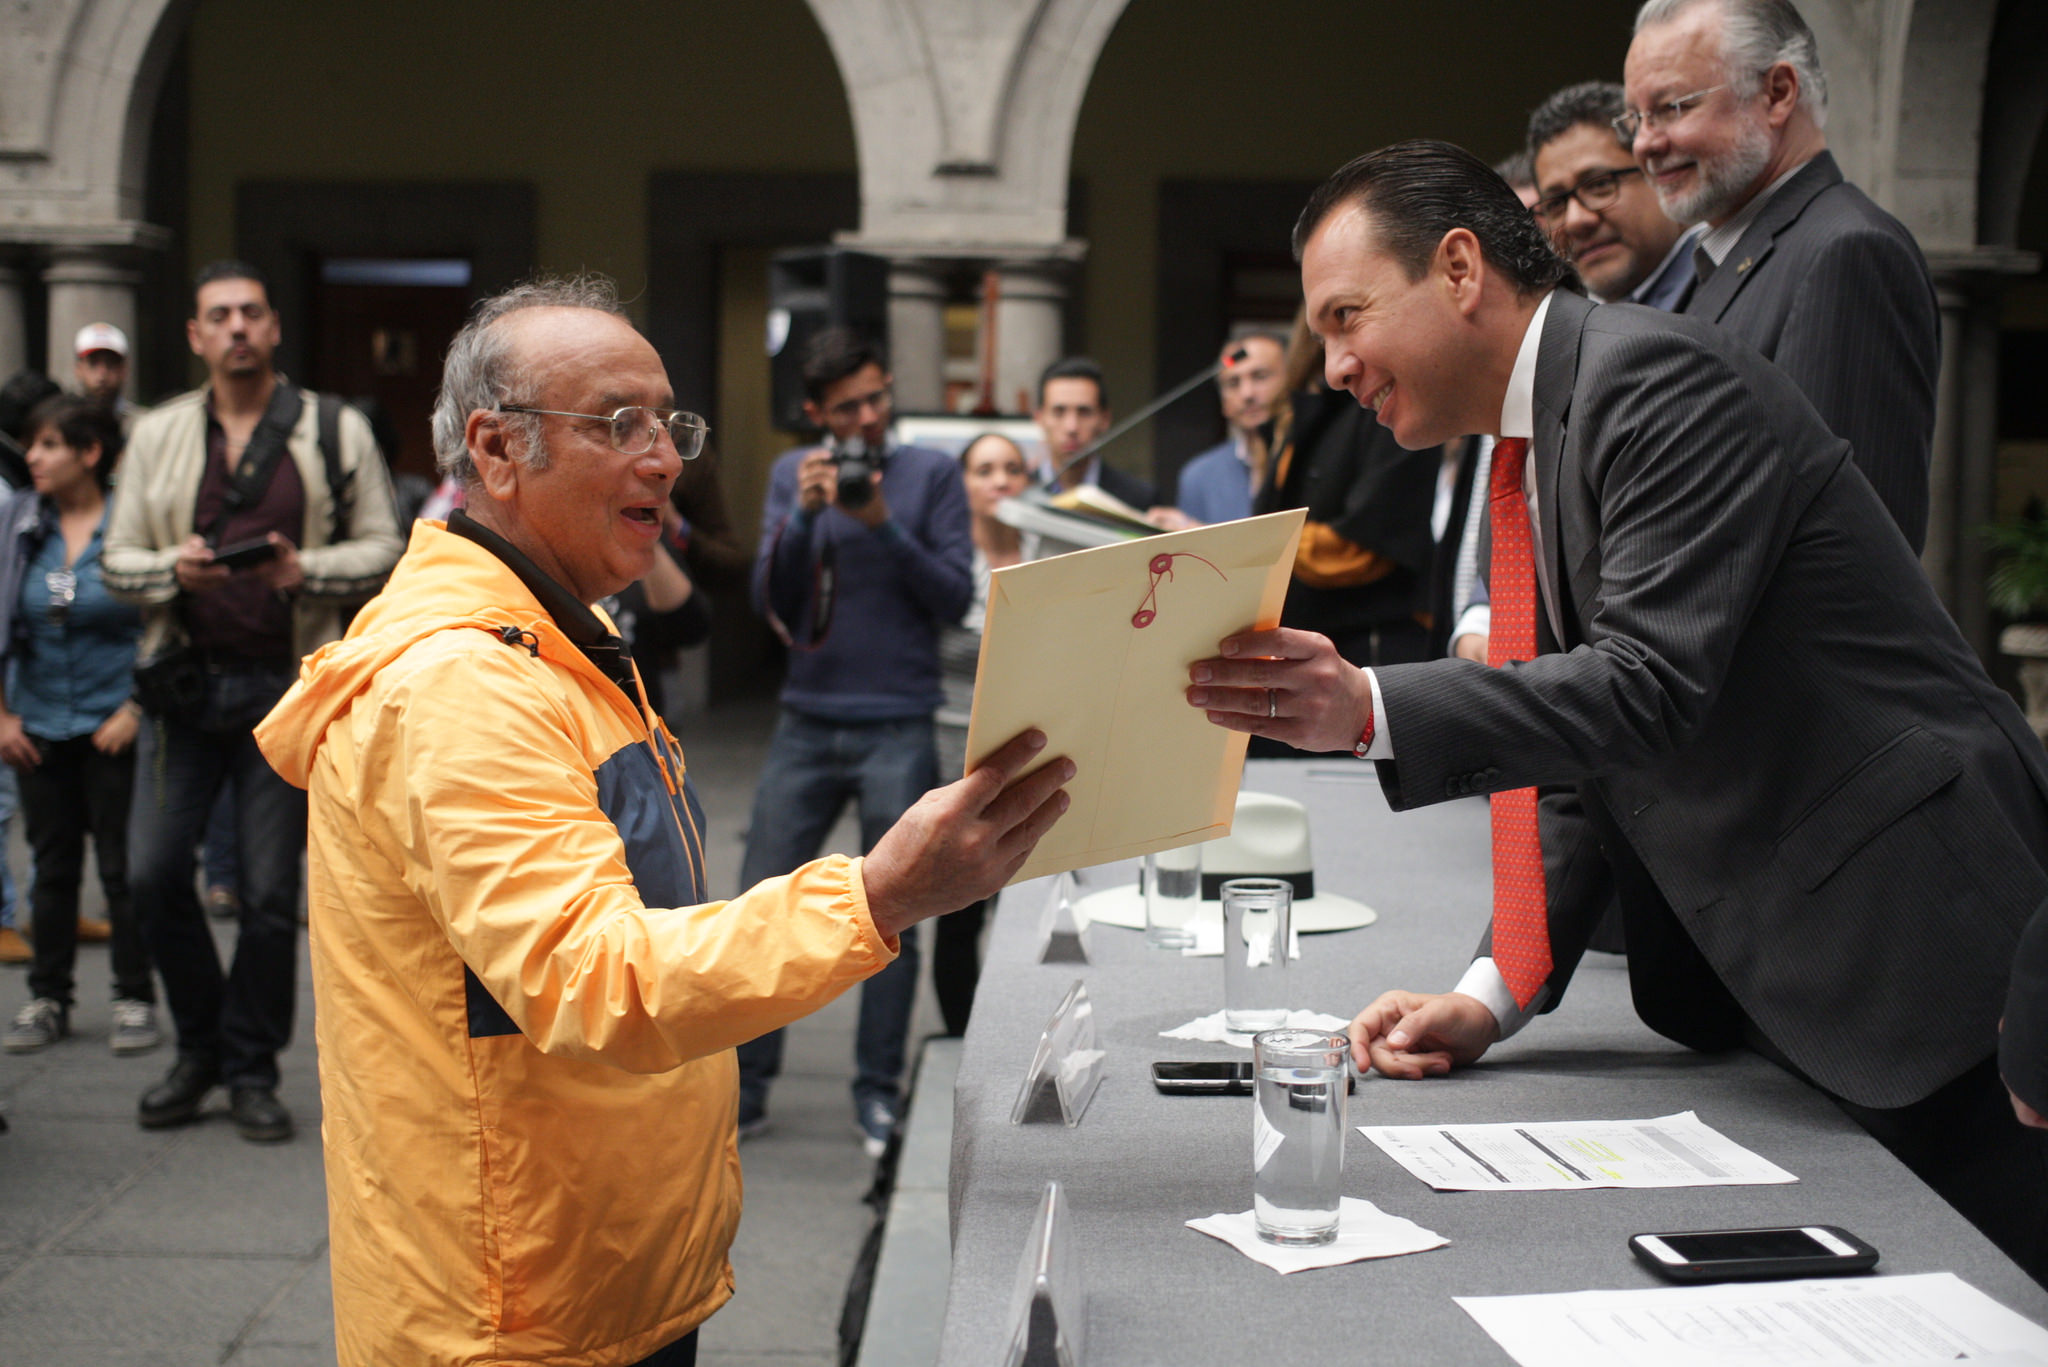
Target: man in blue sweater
858,587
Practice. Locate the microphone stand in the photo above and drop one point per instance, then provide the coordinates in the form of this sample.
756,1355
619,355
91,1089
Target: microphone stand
1195,381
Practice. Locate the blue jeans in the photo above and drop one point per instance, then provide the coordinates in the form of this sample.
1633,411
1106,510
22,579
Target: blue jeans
813,768
233,1021
10,800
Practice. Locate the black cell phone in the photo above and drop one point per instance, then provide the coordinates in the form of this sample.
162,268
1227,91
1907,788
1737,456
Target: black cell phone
1728,1255
1211,1077
245,555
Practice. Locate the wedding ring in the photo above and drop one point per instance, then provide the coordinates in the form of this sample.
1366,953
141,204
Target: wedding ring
1272,705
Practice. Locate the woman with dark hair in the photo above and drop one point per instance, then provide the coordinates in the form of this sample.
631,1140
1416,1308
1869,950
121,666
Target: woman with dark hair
994,469
67,723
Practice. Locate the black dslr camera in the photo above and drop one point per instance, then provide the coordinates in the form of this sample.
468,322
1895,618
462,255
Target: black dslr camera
857,469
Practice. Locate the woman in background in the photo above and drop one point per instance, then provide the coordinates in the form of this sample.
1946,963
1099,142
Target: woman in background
67,722
994,469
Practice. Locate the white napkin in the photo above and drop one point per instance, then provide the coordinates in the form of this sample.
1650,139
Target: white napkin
1363,1231
1210,1027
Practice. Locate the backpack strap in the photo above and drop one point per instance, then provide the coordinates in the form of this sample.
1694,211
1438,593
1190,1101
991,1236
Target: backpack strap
340,482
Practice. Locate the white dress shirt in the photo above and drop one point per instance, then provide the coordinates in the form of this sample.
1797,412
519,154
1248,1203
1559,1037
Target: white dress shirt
1517,419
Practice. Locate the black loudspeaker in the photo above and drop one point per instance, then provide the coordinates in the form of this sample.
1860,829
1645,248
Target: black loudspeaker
811,289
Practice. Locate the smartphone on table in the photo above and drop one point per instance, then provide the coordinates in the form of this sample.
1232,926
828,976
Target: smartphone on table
1210,1077
1726,1255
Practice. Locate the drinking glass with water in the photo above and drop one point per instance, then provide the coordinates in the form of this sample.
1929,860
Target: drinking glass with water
1299,1093
1257,938
1173,894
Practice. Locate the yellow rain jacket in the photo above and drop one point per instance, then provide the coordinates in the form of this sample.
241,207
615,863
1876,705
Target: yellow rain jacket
526,1006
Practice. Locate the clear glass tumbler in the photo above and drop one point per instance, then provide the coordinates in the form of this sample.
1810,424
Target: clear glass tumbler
1298,1134
1173,894
1257,913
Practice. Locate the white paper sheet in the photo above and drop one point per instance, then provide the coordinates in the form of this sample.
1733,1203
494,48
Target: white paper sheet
1670,1151
1895,1321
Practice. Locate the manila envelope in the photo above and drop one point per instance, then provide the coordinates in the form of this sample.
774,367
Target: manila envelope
1061,651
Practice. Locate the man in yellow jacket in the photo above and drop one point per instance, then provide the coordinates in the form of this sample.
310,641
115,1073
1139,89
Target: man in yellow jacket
527,1005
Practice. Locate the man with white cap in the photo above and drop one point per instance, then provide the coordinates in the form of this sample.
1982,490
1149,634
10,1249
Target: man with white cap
100,369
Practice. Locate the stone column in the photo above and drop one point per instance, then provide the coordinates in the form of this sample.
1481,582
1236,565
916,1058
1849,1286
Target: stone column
13,322
1030,329
917,336
88,285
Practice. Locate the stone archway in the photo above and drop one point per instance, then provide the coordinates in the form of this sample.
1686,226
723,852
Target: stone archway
964,114
79,81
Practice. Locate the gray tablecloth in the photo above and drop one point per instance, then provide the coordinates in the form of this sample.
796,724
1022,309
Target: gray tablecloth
1140,1164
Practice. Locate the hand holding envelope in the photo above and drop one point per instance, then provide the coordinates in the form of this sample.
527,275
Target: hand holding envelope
1290,686
1093,648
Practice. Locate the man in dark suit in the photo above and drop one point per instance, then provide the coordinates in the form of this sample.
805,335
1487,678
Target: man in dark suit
1825,824
1726,102
1072,415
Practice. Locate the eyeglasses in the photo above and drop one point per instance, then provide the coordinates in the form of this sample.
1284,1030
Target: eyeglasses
846,410
1663,115
1595,192
63,587
635,430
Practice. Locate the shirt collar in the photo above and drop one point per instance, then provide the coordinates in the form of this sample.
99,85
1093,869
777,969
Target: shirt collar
1687,240
1518,409
1718,242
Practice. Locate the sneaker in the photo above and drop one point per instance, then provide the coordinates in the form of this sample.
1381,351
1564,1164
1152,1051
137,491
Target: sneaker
875,1118
93,931
14,946
38,1025
222,903
134,1027
259,1116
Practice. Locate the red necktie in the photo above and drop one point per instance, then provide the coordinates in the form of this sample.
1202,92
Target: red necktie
1521,925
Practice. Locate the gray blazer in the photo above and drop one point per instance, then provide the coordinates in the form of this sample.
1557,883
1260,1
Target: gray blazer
1835,292
1819,814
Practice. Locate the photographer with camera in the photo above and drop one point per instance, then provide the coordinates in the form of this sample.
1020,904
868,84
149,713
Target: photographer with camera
865,553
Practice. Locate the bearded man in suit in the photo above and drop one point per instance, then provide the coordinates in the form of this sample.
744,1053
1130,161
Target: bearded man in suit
1727,101
1825,825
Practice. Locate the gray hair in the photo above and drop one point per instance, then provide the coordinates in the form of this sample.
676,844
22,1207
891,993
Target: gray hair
1755,36
481,372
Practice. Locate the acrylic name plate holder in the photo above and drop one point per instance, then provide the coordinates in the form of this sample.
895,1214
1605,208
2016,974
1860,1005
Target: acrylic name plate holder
1049,1312
1066,1068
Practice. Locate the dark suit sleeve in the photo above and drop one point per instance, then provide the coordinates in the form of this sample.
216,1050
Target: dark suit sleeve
1862,341
2023,1043
1694,504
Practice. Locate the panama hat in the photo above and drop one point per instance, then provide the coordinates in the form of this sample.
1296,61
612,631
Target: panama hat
1268,839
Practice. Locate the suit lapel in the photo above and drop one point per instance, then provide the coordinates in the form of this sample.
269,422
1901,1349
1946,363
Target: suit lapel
1557,368
1711,297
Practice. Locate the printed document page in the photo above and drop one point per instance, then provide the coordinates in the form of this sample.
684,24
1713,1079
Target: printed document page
1896,1321
1670,1151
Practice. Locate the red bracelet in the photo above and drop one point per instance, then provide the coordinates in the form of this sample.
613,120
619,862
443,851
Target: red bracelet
1365,737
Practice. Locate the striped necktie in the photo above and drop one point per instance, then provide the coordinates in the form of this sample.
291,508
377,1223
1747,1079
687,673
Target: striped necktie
1521,926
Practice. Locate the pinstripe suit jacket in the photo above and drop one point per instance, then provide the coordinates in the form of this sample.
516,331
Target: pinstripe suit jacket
1822,819
1835,292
